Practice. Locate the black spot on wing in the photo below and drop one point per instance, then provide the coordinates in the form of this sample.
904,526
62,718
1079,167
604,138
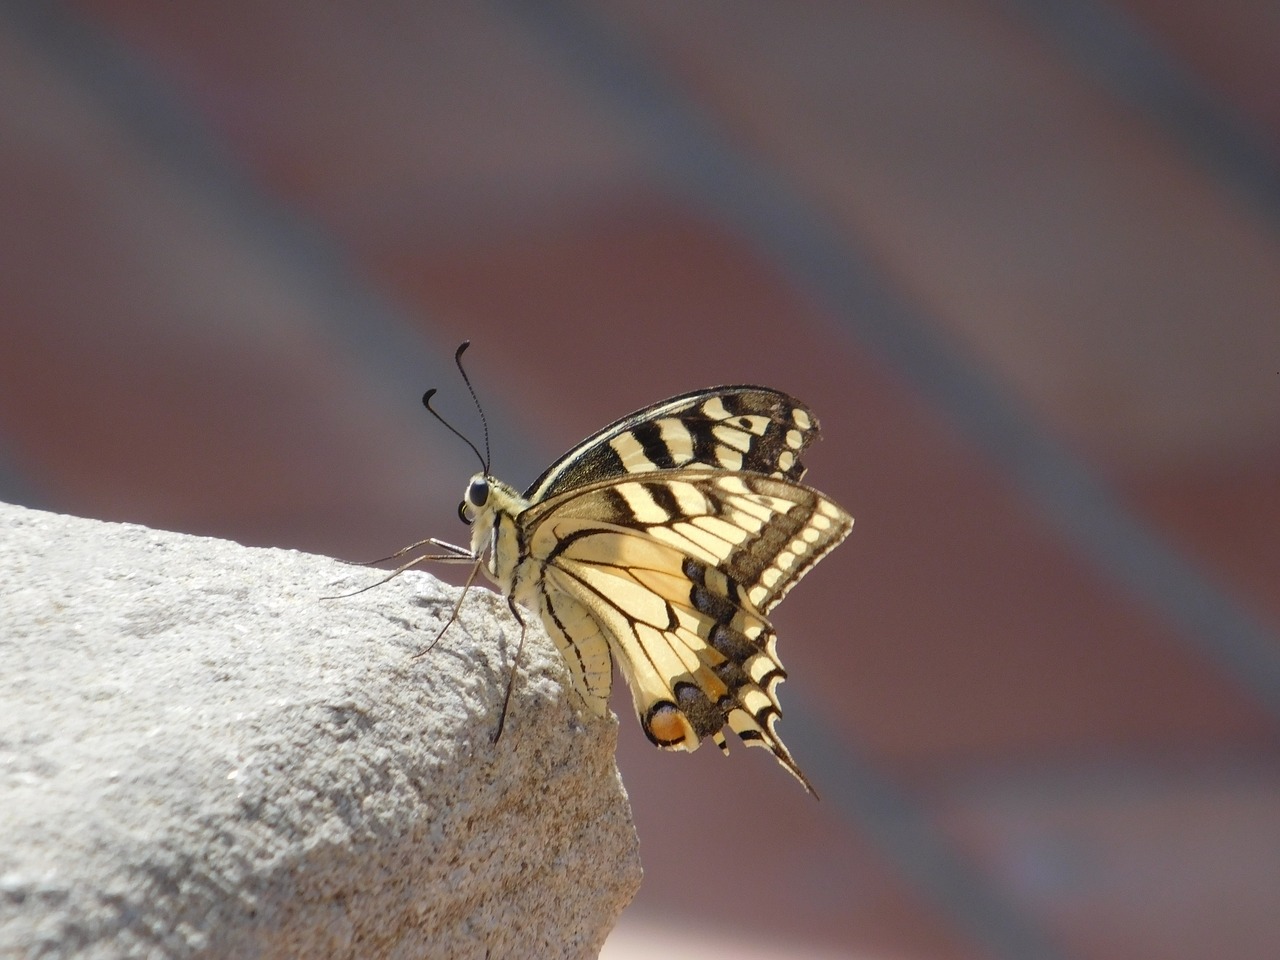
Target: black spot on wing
663,497
731,643
619,507
656,451
732,675
716,606
705,446
694,570
705,716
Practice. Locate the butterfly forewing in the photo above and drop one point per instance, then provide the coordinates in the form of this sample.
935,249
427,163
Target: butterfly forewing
725,428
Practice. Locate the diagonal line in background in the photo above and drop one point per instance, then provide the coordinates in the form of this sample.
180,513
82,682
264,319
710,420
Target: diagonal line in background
399,354
1109,46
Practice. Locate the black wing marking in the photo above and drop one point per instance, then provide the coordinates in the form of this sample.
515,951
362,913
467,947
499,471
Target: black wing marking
734,428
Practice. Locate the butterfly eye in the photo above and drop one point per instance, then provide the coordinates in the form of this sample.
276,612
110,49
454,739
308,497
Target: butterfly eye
478,492
464,513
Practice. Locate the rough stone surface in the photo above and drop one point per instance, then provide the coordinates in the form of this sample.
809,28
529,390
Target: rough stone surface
201,757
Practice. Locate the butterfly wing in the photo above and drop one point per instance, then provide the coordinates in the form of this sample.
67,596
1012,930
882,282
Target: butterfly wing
675,572
722,428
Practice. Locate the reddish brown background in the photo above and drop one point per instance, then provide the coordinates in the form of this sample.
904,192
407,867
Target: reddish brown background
1022,258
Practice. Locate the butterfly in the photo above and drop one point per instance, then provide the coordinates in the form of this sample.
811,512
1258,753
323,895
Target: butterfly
661,543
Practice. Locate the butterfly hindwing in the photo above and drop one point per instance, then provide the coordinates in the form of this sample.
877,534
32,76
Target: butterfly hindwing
678,570
583,642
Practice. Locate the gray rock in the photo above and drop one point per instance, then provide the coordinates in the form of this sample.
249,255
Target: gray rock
200,757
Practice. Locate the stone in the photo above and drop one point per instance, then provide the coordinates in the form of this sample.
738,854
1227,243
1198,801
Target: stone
202,756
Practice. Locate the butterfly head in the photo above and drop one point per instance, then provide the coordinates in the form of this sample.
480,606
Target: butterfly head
479,511
475,500
489,507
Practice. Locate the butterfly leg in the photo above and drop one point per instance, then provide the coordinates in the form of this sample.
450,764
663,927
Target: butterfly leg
511,681
454,549
453,615
460,557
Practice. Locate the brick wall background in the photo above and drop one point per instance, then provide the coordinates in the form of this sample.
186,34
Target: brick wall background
1023,259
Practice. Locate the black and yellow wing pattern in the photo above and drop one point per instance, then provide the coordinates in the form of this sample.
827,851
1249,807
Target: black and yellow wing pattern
662,542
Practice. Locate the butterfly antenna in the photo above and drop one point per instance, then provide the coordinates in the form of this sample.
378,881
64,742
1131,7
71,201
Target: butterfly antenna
457,359
426,402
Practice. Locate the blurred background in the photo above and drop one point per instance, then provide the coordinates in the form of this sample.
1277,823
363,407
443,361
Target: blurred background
1022,257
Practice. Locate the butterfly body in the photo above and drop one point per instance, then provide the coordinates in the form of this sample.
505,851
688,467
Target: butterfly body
662,542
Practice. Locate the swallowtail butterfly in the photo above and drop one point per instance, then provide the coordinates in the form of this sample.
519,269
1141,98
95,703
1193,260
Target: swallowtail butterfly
663,542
